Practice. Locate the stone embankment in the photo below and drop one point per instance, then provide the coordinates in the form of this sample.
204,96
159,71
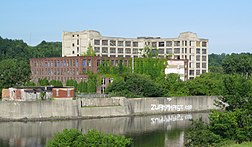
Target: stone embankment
102,107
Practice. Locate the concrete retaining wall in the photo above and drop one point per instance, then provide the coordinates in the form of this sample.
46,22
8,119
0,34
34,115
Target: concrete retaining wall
103,107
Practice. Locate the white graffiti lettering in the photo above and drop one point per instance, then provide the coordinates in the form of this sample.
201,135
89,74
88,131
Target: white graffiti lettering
169,99
161,107
170,118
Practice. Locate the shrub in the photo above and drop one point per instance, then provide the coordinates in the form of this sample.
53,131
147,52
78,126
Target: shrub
74,138
200,135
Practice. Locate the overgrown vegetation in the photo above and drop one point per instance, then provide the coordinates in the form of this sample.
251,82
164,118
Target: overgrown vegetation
74,138
14,60
234,124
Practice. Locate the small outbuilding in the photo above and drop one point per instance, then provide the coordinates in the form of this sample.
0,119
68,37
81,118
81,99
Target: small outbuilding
36,93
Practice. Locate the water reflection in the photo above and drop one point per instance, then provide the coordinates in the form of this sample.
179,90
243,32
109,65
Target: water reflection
155,130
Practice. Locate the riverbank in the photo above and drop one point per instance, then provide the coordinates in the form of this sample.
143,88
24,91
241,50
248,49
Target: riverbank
87,108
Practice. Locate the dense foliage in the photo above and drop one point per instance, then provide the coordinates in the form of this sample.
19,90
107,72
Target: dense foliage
235,122
135,85
14,60
74,138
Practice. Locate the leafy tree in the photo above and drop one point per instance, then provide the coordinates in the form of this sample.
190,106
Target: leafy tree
235,122
73,83
236,92
206,84
215,60
238,64
137,85
92,83
45,49
82,87
56,83
43,82
74,138
231,125
29,83
200,135
173,85
90,51
13,72
149,52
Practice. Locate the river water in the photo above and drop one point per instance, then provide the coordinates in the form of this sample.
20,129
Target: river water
146,131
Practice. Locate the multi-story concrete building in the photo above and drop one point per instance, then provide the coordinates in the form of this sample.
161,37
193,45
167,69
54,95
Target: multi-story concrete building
186,46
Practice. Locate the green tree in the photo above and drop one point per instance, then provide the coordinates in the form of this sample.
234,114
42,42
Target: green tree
93,138
173,85
92,83
135,85
206,84
149,52
13,72
73,83
238,64
90,51
200,135
43,82
56,83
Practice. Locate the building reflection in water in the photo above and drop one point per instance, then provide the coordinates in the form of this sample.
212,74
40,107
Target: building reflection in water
154,130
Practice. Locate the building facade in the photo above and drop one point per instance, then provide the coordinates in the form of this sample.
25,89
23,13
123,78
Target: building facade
179,67
186,46
66,68
77,67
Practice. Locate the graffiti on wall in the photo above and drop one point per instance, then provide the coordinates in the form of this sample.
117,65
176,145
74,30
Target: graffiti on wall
170,107
170,118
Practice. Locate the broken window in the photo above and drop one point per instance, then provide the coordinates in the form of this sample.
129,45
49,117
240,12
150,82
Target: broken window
203,51
204,44
197,50
197,57
120,50
154,44
197,65
97,49
168,43
128,51
191,72
135,51
120,43
127,43
104,42
176,43
96,42
169,51
160,51
135,44
112,50
104,50
203,65
112,43
203,58
197,72
176,50
161,44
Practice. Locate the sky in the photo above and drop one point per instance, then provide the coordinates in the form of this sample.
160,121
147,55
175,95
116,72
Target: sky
226,23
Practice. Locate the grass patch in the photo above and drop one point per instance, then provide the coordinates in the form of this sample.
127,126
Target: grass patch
244,144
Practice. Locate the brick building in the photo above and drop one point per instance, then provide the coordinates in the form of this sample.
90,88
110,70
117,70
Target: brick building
66,68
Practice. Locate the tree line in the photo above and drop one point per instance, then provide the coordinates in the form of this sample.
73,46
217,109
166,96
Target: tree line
14,60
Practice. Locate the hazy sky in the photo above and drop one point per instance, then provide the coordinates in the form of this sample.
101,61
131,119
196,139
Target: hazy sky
226,23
